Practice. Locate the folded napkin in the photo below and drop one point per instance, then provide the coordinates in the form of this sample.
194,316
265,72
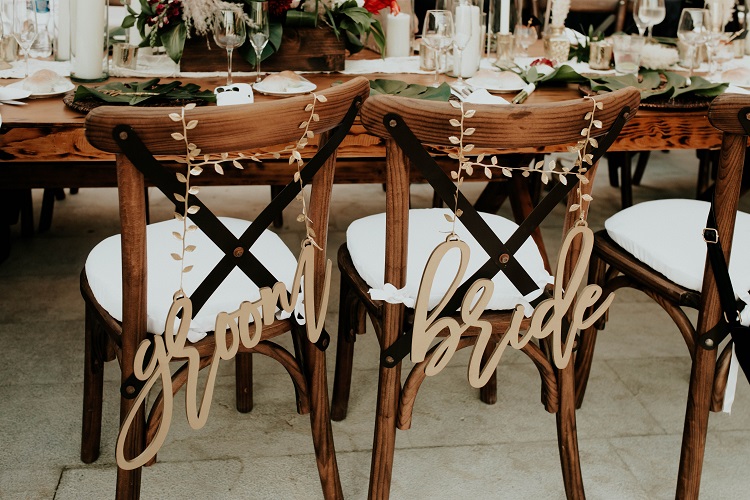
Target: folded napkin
481,96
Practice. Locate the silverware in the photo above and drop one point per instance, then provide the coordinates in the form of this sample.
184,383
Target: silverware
462,92
523,94
15,103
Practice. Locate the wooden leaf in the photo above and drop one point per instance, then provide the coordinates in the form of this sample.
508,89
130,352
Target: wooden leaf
454,175
177,235
309,107
488,172
563,179
599,105
301,218
468,147
219,169
480,158
196,171
470,113
175,117
303,124
187,269
191,124
454,139
321,98
593,142
459,212
448,217
192,227
176,256
597,123
574,207
190,106
315,117
190,248
587,197
296,176
177,136
179,217
455,104
311,232
310,134
469,131
455,122
194,190
237,165
193,209
588,115
506,172
179,197
180,177
469,170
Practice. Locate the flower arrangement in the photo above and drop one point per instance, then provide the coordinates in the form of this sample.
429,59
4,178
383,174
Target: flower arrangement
559,11
168,23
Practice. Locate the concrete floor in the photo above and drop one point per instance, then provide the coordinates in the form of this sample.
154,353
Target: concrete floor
629,428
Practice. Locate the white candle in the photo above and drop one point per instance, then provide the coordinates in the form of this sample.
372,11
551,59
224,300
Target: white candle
135,35
398,35
62,52
89,18
504,17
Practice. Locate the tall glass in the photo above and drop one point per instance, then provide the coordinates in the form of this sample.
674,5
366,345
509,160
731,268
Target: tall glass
24,27
641,24
229,33
692,32
438,34
258,29
467,39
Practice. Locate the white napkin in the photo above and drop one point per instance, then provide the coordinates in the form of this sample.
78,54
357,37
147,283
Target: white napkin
237,93
481,96
734,89
13,93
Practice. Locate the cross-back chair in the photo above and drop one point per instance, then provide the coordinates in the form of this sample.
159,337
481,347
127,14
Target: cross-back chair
660,248
392,249
232,259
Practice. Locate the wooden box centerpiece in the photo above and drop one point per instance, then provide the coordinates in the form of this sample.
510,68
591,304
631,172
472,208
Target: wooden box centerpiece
302,49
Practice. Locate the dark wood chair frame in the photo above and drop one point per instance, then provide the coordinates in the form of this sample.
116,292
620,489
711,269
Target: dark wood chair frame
498,128
612,267
119,131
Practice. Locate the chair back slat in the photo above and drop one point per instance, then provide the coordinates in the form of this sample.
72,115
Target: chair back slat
498,127
724,113
227,128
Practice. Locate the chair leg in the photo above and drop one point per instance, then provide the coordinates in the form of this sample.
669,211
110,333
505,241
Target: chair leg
342,377
567,435
696,424
488,392
48,206
614,161
243,374
320,422
279,220
93,383
384,444
626,183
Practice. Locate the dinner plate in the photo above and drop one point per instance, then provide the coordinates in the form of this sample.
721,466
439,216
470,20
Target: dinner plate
304,87
62,88
13,94
495,87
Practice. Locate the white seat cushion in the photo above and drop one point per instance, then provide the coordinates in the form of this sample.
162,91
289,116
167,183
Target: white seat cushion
667,235
365,240
104,273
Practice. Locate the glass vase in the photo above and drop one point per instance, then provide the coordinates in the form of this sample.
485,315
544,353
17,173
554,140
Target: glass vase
556,44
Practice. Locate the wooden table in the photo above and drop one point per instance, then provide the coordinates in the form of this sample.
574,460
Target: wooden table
42,144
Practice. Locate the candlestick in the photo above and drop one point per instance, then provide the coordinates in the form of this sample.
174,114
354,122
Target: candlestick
504,17
467,20
89,40
62,47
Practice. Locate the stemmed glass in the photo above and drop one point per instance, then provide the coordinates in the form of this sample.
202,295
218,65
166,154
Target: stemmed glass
651,12
714,21
692,32
259,31
229,33
525,37
438,34
24,27
641,24
461,35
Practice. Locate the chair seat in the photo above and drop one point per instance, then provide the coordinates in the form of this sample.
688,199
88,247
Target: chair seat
667,235
365,239
104,273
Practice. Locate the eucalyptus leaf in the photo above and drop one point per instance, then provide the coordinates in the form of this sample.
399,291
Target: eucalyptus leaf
139,92
403,89
174,41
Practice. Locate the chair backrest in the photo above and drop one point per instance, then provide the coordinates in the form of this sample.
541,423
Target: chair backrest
617,7
407,124
135,134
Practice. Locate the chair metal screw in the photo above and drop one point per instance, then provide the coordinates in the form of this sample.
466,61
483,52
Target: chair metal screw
130,390
504,258
708,343
392,123
238,252
123,135
748,116
389,360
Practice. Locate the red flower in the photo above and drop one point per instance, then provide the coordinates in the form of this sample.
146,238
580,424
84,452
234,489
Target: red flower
376,6
277,8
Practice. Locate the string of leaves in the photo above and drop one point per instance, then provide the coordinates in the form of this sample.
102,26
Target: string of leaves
548,171
195,163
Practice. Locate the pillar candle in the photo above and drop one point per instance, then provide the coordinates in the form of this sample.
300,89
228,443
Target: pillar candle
89,21
398,35
504,17
467,20
62,51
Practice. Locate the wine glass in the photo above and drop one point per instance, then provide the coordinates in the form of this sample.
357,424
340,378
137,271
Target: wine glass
438,34
692,32
462,29
525,37
229,33
641,24
714,22
24,27
652,12
258,30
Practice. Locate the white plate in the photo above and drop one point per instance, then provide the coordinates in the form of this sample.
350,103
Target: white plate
13,94
304,87
497,88
64,87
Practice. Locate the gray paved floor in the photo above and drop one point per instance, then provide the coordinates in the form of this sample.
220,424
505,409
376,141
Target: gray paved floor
629,428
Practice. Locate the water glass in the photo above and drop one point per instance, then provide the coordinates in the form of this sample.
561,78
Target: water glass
627,50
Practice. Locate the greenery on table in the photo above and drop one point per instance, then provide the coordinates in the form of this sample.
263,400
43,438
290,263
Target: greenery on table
660,84
139,92
561,74
403,89
582,51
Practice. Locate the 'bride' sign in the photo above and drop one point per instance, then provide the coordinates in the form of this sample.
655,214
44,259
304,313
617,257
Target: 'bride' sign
571,303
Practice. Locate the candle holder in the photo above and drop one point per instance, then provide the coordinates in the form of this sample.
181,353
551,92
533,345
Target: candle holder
556,44
89,41
600,54
398,28
504,43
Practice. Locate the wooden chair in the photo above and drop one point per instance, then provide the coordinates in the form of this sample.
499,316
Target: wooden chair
658,247
119,317
406,125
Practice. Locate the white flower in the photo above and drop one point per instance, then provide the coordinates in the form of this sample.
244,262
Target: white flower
390,294
560,9
659,56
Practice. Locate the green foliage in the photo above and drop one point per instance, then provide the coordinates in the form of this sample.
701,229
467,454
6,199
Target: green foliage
403,89
139,92
356,23
561,74
660,85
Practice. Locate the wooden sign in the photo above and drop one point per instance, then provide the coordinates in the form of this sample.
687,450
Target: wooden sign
571,303
232,329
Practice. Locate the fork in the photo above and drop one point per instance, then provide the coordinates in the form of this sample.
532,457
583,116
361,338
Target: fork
462,92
